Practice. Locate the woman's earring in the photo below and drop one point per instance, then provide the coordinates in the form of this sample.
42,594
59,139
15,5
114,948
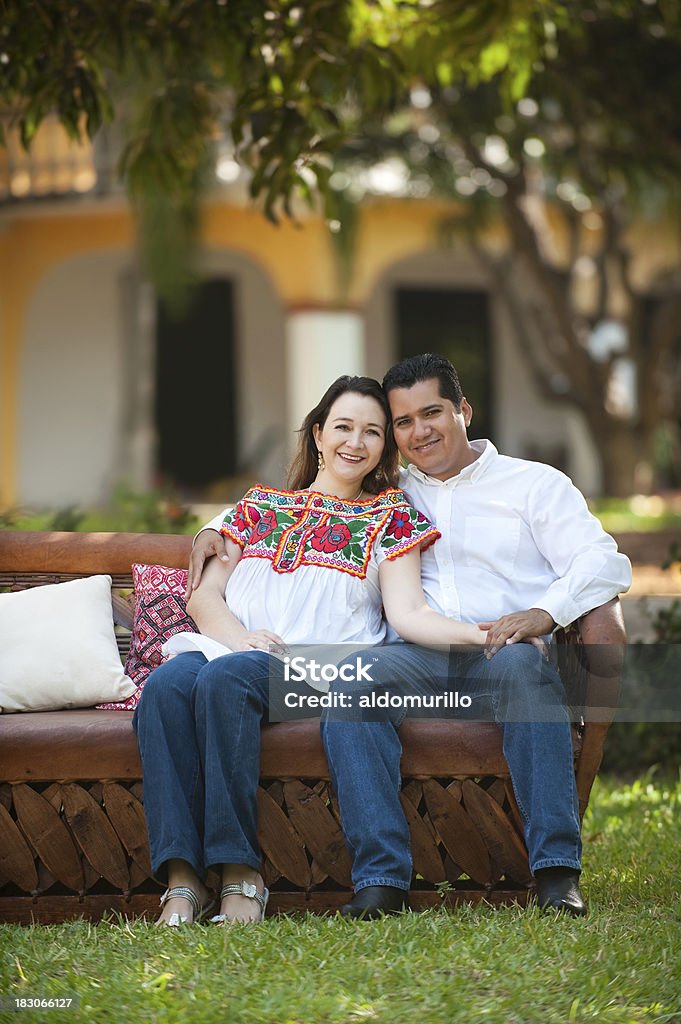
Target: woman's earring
321,465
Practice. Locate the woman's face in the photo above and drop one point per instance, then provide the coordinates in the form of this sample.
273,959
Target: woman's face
352,438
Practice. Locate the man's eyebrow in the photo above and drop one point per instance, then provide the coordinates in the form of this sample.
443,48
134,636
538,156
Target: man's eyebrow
419,412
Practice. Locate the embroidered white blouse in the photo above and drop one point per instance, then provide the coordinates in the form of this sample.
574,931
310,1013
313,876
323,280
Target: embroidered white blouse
309,567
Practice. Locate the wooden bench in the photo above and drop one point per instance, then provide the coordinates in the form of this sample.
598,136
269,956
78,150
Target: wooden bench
72,832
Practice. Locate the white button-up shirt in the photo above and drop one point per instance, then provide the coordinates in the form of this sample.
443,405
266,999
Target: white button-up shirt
515,535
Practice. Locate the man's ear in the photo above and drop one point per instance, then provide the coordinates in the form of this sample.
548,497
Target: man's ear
467,410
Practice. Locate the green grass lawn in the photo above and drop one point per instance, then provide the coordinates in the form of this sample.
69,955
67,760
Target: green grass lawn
638,514
622,964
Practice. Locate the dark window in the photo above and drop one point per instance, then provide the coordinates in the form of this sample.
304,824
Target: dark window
454,324
195,388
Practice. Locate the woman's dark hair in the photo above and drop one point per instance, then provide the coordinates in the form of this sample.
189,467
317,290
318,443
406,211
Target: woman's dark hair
305,462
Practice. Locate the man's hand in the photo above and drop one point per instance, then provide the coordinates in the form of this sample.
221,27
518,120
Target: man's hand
208,543
513,629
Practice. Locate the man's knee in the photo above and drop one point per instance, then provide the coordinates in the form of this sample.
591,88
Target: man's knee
517,663
521,672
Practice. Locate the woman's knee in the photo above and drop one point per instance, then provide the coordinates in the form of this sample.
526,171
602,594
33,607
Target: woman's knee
174,678
232,676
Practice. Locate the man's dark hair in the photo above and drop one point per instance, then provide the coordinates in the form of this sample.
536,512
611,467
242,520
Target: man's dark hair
425,367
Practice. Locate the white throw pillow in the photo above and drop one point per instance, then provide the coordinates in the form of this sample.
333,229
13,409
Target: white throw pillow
58,648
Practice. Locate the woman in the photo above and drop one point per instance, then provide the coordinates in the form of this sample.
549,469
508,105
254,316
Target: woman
304,565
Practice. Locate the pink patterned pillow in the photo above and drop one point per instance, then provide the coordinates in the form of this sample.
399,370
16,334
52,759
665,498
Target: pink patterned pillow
160,612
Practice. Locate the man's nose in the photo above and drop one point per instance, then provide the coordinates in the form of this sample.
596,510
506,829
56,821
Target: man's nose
422,428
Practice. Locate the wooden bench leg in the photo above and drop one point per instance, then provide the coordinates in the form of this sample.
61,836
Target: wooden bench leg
604,637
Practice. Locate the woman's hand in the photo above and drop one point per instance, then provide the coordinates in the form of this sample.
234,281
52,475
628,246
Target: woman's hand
261,640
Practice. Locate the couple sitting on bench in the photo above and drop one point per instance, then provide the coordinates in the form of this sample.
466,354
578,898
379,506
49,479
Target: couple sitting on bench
472,557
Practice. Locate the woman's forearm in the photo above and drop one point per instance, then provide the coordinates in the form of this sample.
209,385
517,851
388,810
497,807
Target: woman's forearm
215,620
410,614
430,629
207,604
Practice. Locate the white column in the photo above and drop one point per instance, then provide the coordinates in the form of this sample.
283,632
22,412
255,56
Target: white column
137,458
320,346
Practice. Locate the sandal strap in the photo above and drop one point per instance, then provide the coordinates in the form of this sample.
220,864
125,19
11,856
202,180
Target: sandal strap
182,892
244,888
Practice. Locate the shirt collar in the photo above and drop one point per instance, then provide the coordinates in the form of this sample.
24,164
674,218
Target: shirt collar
487,454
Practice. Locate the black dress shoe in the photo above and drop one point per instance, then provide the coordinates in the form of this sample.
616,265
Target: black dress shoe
374,901
558,889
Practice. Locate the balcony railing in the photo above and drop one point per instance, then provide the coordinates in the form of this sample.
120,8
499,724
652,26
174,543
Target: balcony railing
56,166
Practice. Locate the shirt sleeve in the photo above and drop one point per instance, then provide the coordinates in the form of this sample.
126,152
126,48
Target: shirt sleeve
238,522
404,530
590,569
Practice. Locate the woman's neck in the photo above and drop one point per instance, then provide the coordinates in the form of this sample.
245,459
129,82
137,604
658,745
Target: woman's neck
336,489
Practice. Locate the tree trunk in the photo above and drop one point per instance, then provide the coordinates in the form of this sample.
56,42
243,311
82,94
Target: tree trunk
622,457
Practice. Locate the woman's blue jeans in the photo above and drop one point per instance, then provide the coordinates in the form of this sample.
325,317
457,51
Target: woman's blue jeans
518,690
198,730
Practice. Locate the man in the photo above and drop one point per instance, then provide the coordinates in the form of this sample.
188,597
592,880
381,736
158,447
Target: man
520,553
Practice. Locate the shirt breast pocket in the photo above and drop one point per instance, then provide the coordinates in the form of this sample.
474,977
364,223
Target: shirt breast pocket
491,543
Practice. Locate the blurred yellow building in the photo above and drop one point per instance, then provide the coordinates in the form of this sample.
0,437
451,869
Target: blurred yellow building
98,385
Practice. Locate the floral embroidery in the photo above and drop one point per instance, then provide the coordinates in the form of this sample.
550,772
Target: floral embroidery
400,525
265,524
240,522
290,529
331,538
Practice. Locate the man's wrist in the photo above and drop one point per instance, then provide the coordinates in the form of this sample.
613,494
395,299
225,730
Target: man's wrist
553,625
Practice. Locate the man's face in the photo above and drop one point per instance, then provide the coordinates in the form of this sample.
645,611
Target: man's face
429,431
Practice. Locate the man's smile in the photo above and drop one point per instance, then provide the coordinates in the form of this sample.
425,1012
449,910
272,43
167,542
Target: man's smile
426,446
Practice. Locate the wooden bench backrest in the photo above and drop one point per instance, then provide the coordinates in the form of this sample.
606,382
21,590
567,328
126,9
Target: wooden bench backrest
33,559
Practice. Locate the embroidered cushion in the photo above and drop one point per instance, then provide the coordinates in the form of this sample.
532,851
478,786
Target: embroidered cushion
58,648
160,612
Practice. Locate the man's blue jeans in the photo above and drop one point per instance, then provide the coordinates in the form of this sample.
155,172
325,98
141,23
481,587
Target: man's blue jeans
517,689
198,730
